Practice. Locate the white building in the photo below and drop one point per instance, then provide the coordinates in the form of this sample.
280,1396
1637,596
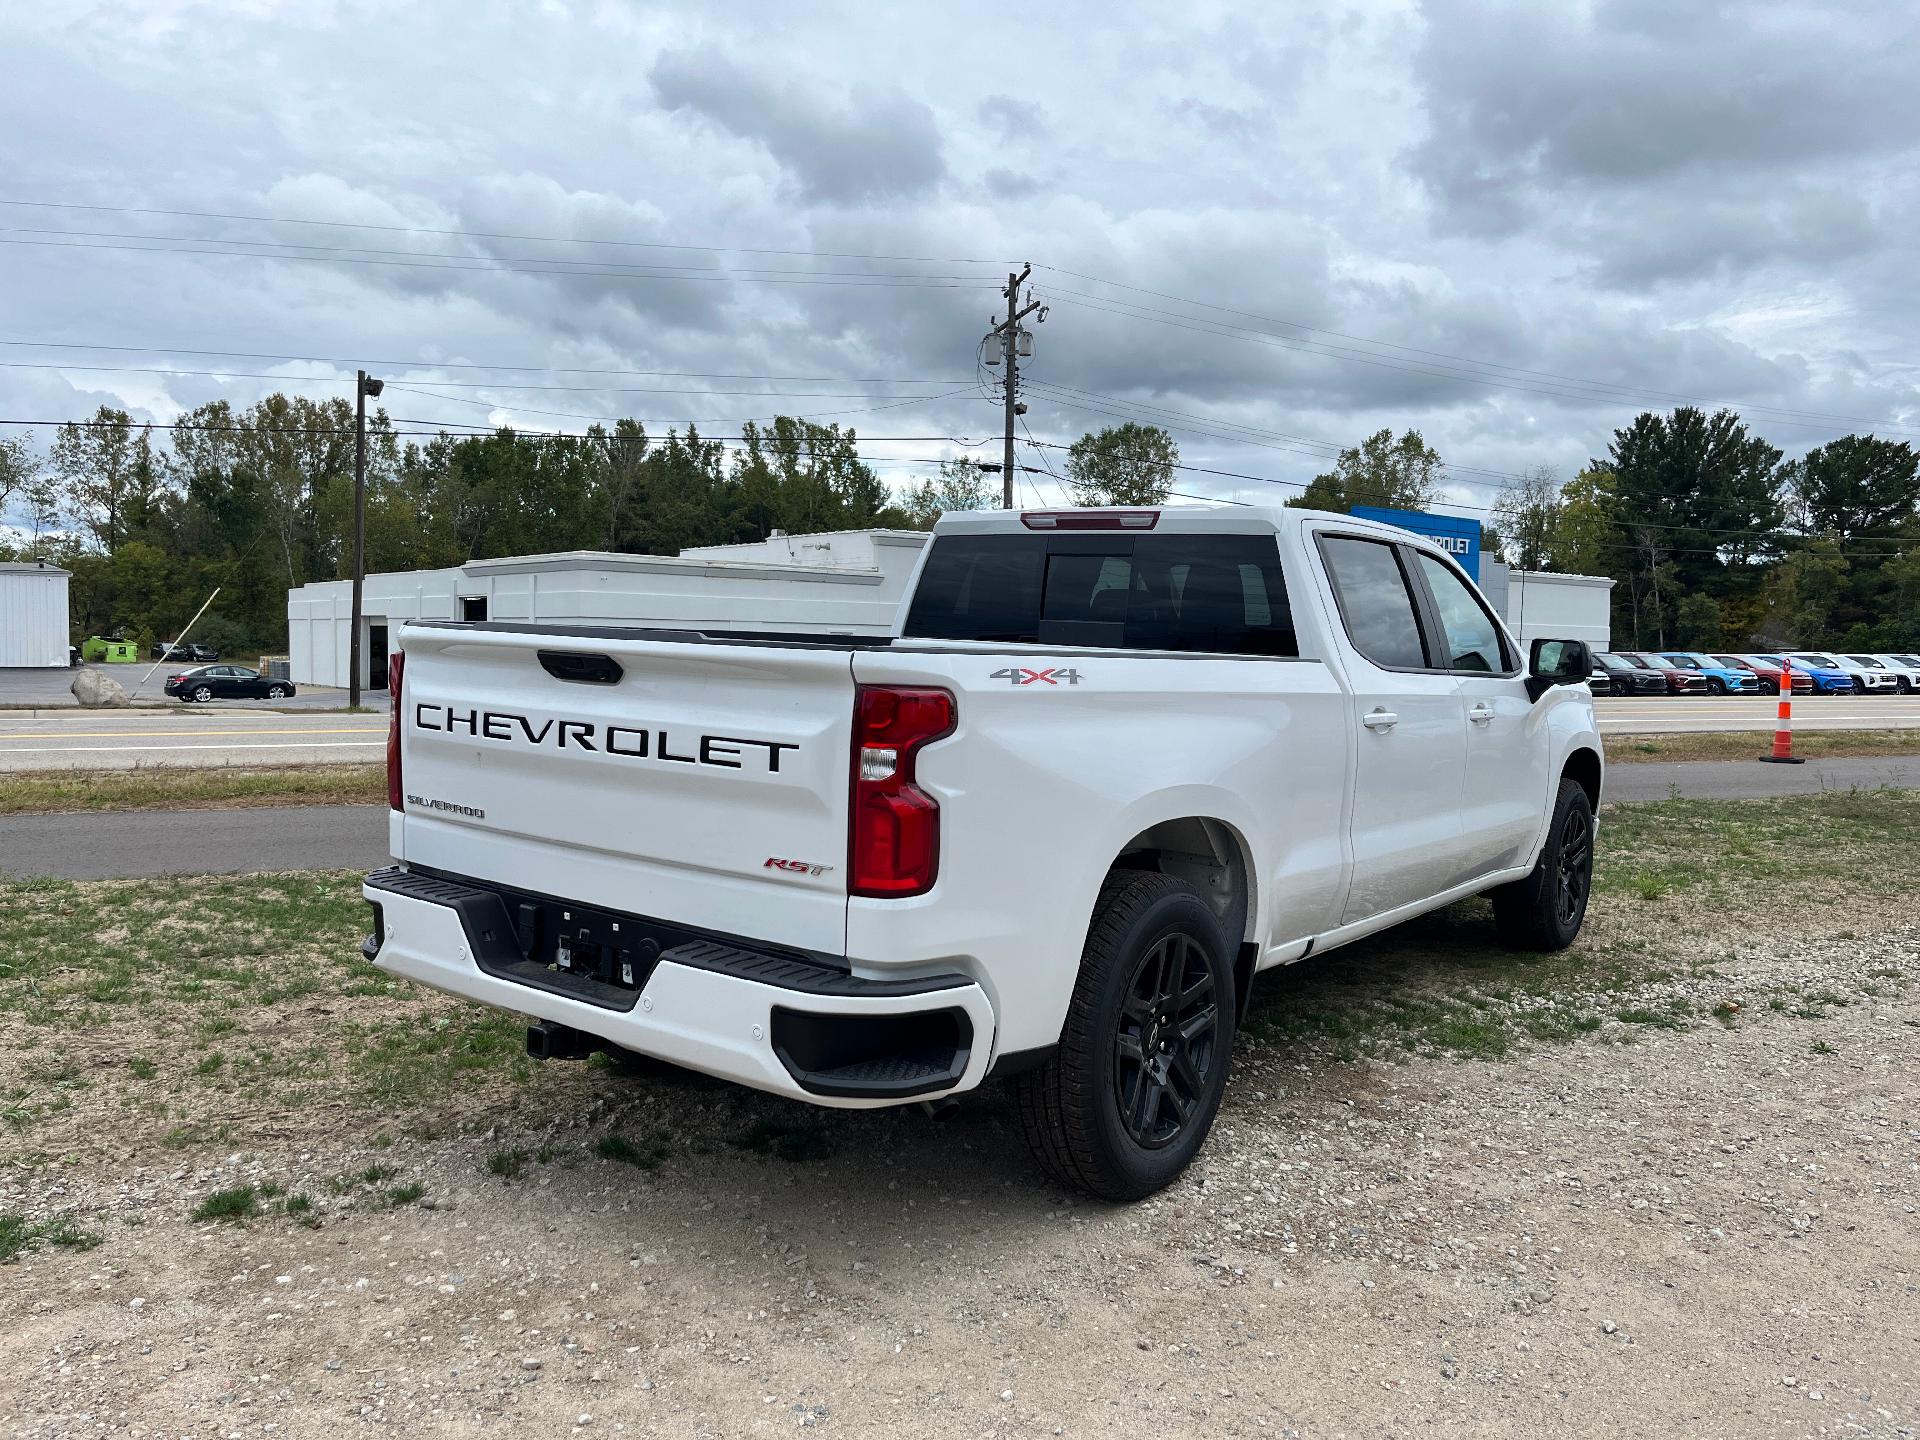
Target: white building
845,583
1542,605
33,615
848,582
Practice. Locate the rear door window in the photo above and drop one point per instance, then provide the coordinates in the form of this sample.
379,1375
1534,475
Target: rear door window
1376,603
1217,594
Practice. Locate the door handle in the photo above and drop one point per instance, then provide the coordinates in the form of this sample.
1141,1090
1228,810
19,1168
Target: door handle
1378,719
1481,714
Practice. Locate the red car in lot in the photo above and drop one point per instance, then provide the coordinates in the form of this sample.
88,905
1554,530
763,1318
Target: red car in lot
1769,674
1679,682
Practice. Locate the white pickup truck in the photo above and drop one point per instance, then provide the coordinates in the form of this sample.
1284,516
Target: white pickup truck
1114,763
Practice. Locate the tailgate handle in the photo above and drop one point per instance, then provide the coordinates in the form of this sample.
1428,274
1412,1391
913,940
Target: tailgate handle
582,669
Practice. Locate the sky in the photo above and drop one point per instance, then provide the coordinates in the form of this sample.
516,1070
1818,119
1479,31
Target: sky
1272,229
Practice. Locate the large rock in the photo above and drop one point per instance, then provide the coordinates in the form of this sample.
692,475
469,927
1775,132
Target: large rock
99,692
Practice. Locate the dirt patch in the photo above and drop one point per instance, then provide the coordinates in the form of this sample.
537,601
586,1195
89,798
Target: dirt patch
1678,1195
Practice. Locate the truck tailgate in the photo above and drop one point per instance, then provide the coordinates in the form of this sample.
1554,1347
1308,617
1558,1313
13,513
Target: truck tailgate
661,779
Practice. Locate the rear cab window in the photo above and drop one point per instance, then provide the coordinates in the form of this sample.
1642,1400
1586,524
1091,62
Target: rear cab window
1211,594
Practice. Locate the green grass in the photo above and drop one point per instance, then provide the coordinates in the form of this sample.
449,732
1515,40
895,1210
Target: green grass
625,1152
242,1202
406,1194
18,1235
796,1141
507,1164
1751,744
180,789
1668,875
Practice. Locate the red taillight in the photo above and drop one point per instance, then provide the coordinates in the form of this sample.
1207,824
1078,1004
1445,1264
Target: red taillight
396,797
893,844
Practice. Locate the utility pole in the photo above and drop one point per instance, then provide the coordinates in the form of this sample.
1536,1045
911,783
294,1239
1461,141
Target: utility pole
363,386
1007,336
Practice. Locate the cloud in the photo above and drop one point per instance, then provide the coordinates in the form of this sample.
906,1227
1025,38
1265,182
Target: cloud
1012,119
874,143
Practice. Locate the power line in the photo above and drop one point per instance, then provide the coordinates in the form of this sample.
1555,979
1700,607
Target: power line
1623,390
468,384
643,270
469,365
495,235
1429,369
486,266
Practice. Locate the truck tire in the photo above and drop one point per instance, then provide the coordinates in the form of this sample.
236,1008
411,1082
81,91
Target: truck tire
1544,911
1126,1101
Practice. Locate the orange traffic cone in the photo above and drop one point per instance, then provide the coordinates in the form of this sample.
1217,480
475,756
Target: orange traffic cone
1783,724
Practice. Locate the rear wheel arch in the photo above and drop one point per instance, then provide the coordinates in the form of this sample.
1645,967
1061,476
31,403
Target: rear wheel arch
1212,855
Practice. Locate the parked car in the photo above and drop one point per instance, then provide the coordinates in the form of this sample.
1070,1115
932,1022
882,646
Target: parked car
1907,667
878,870
1768,674
226,682
199,654
1874,679
1721,679
1626,678
1678,680
1828,679
1905,677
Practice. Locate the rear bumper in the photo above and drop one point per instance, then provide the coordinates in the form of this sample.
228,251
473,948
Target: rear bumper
762,1018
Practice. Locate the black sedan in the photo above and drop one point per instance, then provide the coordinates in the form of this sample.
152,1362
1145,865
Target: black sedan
199,654
226,682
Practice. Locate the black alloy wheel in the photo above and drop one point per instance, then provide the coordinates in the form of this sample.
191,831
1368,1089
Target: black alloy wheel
1573,866
1545,910
1163,1051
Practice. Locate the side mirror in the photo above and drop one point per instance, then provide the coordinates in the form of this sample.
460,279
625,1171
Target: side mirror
1557,662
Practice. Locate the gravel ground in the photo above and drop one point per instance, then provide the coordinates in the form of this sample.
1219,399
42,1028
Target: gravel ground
1696,1215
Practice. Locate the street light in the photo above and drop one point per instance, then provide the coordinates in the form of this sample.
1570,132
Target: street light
364,386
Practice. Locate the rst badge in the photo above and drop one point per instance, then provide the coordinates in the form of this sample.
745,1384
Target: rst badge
795,867
1020,675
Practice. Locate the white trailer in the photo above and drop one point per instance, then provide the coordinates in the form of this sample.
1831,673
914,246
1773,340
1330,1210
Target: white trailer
33,616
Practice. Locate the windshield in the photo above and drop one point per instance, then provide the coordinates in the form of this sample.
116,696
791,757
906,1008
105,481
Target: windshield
1611,662
1683,662
1824,662
1908,659
1866,662
1732,663
1636,662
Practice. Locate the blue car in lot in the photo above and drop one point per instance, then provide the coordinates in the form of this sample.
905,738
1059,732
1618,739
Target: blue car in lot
1721,679
1825,681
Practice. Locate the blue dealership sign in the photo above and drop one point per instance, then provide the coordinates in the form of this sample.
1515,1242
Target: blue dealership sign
1459,538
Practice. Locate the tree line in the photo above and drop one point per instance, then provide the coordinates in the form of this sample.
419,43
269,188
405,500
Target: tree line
1715,538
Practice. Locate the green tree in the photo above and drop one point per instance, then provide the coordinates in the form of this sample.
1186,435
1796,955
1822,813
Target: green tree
1586,535
1710,487
1856,485
1697,623
106,475
1403,474
961,485
1127,464
1804,590
1527,518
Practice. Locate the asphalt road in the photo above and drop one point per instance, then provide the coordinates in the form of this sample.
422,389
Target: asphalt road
1681,714
102,845
189,735
109,845
53,689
